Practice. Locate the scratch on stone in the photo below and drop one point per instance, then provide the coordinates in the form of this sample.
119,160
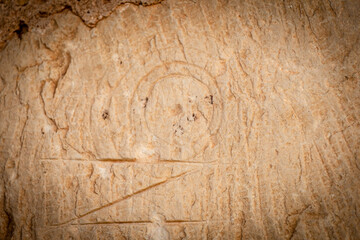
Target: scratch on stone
184,162
113,222
117,159
331,7
126,197
184,221
141,222
64,72
23,129
309,21
51,120
322,161
182,47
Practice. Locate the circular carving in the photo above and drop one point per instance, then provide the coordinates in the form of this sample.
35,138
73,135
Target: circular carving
176,107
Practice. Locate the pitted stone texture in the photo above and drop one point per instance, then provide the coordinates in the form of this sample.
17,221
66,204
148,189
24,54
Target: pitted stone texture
184,120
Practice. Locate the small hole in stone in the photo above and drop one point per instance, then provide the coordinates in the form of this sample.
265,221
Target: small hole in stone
43,14
23,28
146,101
105,114
211,99
194,116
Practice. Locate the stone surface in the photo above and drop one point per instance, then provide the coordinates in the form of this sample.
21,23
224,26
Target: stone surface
183,120
16,16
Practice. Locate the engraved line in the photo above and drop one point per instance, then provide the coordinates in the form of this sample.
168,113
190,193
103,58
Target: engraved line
51,227
126,197
112,160
185,162
130,160
185,221
114,222
117,160
141,222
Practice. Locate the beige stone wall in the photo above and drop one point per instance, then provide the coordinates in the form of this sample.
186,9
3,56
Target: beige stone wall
16,16
195,119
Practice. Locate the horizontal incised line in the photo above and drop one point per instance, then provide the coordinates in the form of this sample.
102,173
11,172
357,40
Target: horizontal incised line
141,222
128,160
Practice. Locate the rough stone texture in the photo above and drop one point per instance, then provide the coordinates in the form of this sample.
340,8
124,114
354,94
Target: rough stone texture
16,16
184,120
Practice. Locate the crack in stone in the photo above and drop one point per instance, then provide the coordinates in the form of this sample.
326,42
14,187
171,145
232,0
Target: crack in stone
10,228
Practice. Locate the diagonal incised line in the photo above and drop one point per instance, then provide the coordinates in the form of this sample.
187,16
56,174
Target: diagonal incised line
126,197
